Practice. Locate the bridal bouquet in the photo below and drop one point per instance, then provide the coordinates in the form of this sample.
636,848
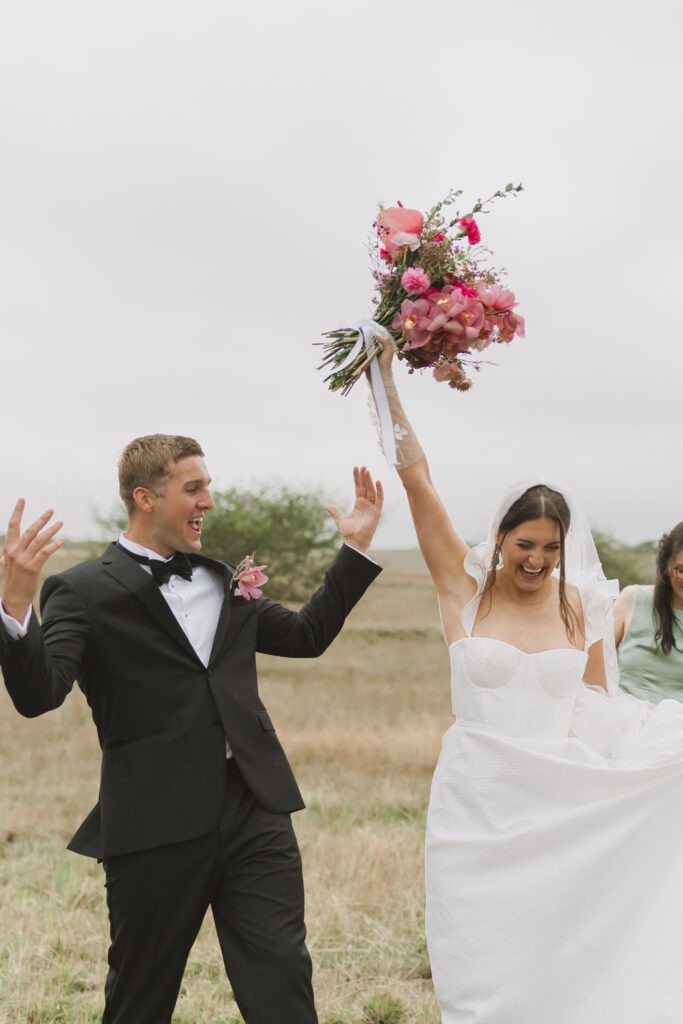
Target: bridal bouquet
433,294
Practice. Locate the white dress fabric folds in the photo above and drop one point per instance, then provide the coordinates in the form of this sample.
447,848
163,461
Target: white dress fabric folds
554,852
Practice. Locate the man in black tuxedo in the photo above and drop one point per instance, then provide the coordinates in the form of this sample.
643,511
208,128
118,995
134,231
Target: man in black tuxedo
195,791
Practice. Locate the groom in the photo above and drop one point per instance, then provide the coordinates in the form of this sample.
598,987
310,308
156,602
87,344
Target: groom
195,791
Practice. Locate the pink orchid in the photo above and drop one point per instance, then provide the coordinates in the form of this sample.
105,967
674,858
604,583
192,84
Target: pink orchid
443,299
440,302
450,344
509,325
496,297
413,321
397,220
469,319
415,281
471,229
499,304
249,578
457,315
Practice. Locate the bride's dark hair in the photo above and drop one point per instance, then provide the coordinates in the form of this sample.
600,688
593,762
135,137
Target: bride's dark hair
539,502
662,610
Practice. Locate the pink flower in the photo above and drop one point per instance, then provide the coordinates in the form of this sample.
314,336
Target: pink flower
413,321
442,303
471,229
415,281
468,320
249,578
397,220
439,238
457,315
509,325
498,304
495,297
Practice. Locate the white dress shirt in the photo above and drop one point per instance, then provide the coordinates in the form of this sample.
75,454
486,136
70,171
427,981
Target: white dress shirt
196,603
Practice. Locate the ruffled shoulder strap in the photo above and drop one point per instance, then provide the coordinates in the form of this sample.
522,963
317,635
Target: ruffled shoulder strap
476,567
597,600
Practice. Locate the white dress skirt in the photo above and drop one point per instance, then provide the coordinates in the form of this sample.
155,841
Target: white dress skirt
554,851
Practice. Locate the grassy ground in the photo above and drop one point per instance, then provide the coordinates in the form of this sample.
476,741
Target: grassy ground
362,726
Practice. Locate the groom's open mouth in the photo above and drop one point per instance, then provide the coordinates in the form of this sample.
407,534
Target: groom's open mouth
196,526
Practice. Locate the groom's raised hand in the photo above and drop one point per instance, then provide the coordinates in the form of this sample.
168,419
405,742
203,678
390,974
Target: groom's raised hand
23,558
359,525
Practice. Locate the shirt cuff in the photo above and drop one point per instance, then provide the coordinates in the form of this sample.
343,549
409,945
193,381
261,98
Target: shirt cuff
363,555
15,630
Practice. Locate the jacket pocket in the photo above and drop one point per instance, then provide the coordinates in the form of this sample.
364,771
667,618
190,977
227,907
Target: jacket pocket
264,719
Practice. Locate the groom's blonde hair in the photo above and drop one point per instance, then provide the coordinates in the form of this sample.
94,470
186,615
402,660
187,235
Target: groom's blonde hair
144,462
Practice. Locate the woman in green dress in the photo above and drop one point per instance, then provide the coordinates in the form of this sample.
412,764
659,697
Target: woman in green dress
648,623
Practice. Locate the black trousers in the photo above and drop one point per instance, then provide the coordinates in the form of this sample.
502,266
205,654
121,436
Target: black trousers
248,871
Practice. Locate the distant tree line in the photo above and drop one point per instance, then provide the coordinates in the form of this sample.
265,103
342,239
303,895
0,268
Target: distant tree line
626,563
289,531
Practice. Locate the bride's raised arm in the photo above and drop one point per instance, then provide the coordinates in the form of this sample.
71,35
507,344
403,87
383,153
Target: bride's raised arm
443,549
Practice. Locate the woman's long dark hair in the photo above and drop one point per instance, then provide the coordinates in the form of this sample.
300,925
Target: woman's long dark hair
539,502
669,545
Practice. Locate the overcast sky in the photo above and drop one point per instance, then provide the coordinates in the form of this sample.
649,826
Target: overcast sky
187,191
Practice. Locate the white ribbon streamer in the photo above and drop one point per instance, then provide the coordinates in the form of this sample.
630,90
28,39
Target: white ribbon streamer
368,330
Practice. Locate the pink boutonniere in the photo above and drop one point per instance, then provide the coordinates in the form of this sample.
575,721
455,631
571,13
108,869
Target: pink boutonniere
249,578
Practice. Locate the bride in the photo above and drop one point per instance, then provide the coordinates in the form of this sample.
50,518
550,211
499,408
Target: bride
554,849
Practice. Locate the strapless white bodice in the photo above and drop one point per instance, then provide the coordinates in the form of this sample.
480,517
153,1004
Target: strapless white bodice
500,687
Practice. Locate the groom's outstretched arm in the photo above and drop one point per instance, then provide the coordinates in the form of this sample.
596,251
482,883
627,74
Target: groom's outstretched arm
40,667
307,633
310,631
35,682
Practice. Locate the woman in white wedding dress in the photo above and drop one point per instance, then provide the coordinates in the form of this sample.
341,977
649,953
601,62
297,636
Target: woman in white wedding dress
554,849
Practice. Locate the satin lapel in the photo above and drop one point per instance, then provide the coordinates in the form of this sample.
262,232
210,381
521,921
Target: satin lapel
234,611
134,578
225,615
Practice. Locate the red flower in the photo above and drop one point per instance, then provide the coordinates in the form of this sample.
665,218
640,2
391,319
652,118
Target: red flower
471,229
466,289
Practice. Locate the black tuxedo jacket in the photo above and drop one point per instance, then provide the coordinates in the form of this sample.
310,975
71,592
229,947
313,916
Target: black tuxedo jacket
162,717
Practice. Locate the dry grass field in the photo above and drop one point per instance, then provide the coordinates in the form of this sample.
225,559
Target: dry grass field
362,726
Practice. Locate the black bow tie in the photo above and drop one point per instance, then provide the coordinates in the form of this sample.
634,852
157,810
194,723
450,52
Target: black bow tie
179,565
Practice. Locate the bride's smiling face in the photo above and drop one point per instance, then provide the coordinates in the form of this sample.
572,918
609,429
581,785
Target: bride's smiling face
530,552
